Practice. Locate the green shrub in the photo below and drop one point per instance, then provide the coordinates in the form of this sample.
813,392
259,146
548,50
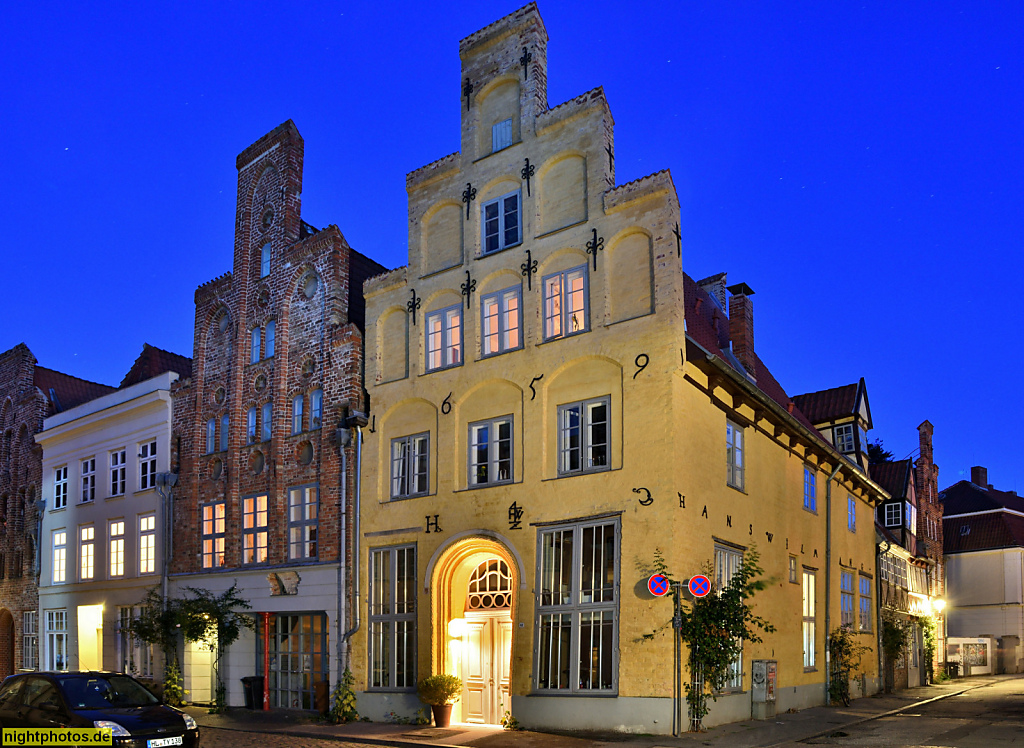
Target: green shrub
440,689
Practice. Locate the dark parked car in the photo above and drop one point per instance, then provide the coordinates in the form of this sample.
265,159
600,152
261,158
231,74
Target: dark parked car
95,699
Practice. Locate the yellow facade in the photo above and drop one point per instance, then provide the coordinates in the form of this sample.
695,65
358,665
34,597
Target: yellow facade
655,474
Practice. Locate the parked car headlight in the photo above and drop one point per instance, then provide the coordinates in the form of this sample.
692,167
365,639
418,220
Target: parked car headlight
190,724
115,729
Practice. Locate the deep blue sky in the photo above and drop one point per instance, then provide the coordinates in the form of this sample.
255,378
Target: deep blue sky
859,165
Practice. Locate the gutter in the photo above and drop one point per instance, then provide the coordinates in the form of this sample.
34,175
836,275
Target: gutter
754,393
356,420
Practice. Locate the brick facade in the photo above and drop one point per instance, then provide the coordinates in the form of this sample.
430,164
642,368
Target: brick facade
318,345
929,525
28,394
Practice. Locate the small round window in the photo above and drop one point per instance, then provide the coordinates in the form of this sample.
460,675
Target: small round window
490,586
216,469
268,218
256,462
222,322
305,453
310,285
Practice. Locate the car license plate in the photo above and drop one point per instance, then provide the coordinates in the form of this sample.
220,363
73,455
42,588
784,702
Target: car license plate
161,742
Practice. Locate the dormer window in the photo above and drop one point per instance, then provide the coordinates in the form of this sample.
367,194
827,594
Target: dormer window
843,438
501,223
501,135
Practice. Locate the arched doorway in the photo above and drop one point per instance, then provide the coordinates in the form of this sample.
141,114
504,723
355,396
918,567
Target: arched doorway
6,643
474,600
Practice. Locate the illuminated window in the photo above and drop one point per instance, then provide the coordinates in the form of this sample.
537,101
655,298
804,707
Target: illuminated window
809,620
254,529
213,535
117,548
147,544
444,338
501,321
87,552
303,522
565,303
60,556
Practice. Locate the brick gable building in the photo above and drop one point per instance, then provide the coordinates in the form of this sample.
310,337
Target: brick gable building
28,394
264,478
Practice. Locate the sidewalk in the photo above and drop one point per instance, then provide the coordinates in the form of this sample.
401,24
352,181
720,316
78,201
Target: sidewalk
784,729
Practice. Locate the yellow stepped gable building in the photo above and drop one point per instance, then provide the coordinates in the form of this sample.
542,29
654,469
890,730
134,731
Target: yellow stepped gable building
542,422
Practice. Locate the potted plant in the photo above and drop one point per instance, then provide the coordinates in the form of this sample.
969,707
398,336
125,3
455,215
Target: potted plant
440,691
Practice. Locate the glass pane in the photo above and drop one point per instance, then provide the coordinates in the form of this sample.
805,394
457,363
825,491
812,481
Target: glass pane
553,307
511,208
490,333
595,650
511,319
574,284
556,567
555,641
453,325
597,447
491,227
569,438
597,578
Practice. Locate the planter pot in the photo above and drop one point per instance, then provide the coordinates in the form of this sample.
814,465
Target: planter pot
442,714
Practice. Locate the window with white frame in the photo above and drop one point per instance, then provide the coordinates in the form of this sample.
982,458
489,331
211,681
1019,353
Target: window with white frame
211,436
809,619
444,338
224,433
86,552
147,544
843,438
147,465
501,321
254,529
265,260
393,618
30,640
250,429
134,655
584,431
297,414
268,346
60,556
577,608
566,307
734,455
490,451
893,514
213,535
117,548
864,583
56,639
60,487
254,345
88,479
794,577
501,223
851,513
267,420
810,489
501,135
410,464
316,409
727,563
303,513
846,593
118,463
910,515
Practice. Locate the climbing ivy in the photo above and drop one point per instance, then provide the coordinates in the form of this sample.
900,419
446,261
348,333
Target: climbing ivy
895,634
343,701
928,627
714,629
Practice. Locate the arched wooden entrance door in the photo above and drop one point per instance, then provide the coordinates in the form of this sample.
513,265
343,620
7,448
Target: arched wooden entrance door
6,643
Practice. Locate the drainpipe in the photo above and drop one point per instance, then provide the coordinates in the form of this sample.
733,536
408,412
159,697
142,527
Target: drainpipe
828,574
37,565
357,420
345,437
165,483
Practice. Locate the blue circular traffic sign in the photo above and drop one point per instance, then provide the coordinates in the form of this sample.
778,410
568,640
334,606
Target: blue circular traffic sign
699,585
658,584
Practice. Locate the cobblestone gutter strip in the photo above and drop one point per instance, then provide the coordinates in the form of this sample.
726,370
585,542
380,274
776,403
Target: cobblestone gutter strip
880,715
335,737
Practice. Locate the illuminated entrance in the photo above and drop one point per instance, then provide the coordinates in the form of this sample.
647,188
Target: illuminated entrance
474,601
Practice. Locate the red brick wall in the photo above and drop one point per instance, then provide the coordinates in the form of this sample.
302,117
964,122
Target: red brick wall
22,410
315,348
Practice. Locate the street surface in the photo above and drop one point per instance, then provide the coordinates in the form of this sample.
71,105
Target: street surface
985,717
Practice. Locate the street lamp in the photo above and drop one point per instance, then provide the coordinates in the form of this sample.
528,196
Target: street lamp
938,604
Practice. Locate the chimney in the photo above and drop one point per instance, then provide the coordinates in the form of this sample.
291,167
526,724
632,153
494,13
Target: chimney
979,476
741,325
715,286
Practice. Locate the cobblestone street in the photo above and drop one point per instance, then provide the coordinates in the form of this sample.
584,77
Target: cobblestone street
217,738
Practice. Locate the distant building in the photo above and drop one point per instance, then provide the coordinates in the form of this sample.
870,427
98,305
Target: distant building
555,401
28,394
910,563
104,530
267,455
984,543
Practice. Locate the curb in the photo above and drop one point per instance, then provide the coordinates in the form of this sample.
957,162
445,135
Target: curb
367,740
873,717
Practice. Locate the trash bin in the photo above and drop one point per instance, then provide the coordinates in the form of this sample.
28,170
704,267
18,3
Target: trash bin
253,687
953,669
